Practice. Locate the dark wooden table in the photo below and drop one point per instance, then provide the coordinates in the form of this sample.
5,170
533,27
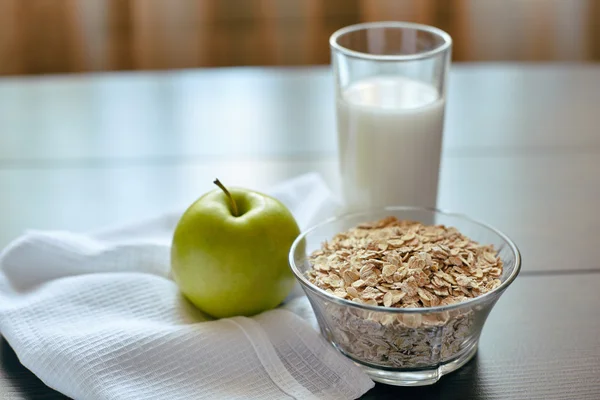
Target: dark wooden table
521,151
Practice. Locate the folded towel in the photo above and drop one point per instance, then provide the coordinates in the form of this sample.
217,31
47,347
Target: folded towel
95,316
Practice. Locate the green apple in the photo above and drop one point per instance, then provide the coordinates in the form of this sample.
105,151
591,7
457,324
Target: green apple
230,252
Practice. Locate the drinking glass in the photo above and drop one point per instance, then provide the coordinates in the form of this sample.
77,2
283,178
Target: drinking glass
390,84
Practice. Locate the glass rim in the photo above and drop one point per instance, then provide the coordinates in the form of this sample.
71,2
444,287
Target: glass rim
446,38
496,292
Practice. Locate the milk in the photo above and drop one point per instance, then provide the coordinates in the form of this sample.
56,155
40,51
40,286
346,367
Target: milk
389,137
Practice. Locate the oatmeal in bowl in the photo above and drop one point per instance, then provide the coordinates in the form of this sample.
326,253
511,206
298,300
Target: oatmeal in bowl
404,292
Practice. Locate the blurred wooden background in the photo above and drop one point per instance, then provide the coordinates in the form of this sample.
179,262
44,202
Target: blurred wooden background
62,36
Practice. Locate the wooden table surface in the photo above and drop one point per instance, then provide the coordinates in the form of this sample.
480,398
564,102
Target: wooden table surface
521,151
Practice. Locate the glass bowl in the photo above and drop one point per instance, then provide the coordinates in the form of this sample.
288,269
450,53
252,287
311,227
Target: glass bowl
403,346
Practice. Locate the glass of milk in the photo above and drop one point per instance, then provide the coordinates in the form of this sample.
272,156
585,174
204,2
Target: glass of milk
390,82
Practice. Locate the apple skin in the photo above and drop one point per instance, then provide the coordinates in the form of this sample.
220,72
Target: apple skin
230,265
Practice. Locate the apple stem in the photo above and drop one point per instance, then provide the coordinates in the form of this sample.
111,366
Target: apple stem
231,199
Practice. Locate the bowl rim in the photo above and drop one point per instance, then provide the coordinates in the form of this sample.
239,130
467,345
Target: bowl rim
496,292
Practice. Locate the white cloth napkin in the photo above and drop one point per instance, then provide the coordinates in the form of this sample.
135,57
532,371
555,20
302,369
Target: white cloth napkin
95,316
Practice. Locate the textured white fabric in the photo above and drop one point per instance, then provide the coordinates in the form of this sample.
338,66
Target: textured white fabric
96,316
